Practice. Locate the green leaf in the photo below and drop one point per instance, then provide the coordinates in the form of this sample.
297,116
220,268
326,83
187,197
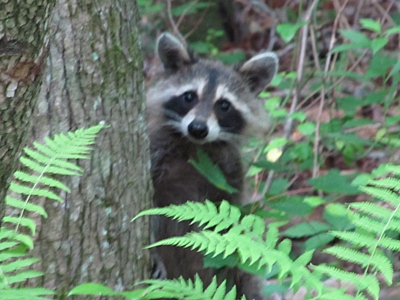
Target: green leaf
306,229
211,171
277,142
357,38
344,48
336,215
348,105
299,116
292,206
395,69
314,201
379,66
307,128
92,289
341,183
287,30
378,43
370,24
279,185
393,30
318,241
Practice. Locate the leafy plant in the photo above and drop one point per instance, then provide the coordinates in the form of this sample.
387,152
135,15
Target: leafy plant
374,223
42,166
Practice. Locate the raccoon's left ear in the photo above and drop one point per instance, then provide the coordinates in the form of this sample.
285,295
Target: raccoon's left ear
260,70
172,53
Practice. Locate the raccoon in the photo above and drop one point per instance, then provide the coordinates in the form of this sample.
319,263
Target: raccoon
200,103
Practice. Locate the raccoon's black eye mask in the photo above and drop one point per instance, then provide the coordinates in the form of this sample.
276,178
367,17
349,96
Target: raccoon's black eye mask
223,105
183,103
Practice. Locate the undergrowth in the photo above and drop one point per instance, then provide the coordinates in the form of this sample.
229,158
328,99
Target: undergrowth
226,233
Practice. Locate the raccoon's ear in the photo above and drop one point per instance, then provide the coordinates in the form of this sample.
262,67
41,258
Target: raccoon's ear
172,53
259,70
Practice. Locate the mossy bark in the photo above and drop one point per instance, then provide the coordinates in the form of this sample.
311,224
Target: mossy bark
94,74
23,49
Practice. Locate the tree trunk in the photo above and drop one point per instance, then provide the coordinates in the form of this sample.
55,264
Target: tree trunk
94,74
23,48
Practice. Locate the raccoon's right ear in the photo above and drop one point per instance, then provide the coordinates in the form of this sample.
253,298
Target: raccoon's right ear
172,53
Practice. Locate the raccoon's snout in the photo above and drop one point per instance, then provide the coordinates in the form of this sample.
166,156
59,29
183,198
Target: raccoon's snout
198,130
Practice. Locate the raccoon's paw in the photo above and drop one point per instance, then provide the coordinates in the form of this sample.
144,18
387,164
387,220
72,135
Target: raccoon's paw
159,271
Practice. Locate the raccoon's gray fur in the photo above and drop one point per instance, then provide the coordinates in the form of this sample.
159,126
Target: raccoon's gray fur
200,103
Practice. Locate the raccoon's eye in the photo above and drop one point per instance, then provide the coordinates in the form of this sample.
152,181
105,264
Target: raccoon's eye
189,96
223,105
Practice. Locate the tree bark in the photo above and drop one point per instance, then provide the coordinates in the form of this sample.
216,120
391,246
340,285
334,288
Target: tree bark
23,49
94,74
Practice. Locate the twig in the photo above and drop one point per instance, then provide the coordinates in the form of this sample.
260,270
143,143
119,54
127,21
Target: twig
182,16
175,29
314,49
199,21
334,84
300,69
322,102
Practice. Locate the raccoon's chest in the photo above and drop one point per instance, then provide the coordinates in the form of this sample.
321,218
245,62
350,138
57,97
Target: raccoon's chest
177,181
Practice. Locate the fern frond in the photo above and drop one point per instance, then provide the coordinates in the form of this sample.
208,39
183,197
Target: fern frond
32,165
340,294
382,194
272,237
379,262
34,191
253,224
366,223
188,289
6,245
26,294
363,240
26,222
387,183
367,282
53,159
51,182
8,255
372,209
393,169
285,246
16,203
22,276
206,214
11,235
19,264
46,159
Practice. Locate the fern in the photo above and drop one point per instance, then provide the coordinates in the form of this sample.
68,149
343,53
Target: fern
225,232
229,234
41,164
374,220
182,289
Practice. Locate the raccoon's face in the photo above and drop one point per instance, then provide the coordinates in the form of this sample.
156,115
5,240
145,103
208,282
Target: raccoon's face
206,101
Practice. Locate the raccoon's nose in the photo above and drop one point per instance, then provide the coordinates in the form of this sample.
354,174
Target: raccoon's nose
198,130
